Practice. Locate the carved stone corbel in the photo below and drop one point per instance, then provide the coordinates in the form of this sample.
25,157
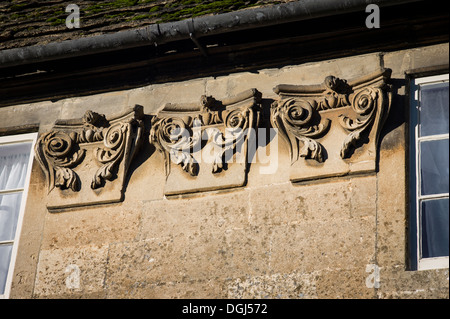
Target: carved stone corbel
334,126
85,161
202,141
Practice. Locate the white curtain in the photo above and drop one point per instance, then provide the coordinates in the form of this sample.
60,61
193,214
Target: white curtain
13,168
13,171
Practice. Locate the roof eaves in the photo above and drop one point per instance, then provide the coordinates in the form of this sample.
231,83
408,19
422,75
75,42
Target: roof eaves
193,28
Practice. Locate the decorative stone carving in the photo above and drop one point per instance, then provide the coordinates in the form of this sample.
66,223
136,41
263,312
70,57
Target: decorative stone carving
334,126
368,104
331,129
295,121
57,155
86,160
203,140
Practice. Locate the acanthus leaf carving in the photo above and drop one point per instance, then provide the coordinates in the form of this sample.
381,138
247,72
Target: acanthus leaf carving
365,103
64,148
110,155
58,154
295,121
179,131
293,113
237,124
176,140
303,115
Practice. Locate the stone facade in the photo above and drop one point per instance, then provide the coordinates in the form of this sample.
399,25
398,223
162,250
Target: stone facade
266,235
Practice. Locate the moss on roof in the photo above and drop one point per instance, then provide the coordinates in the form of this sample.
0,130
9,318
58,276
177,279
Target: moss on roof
24,22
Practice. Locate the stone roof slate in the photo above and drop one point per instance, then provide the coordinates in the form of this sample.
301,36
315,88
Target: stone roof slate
24,23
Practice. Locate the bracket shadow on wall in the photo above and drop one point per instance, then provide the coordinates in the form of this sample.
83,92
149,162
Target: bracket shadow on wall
332,129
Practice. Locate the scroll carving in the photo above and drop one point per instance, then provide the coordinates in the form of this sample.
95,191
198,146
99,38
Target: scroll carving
330,129
72,147
58,153
184,132
301,113
110,154
295,121
174,137
366,103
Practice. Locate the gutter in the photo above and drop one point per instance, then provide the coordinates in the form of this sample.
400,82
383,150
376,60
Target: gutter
193,29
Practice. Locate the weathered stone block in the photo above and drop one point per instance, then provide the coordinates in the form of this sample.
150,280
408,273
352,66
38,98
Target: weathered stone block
71,272
344,284
397,283
214,213
275,286
188,289
96,225
153,97
42,113
105,103
286,204
188,257
417,59
392,205
314,246
362,195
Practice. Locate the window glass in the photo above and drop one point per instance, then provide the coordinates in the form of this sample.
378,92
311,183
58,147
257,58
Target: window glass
434,166
429,179
435,228
5,258
434,109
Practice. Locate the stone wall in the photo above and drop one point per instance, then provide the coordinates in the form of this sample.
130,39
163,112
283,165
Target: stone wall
271,238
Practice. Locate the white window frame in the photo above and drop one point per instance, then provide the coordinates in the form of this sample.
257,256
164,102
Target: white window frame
434,262
15,139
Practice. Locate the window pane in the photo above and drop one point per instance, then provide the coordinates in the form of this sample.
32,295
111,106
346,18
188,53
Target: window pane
5,257
435,228
13,165
9,212
434,168
434,109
